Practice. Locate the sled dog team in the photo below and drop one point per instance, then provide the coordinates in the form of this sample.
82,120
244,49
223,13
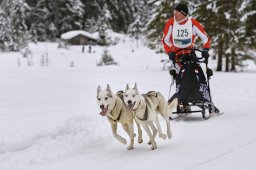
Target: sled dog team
129,106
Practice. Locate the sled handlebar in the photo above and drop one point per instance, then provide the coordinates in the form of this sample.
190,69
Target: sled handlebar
199,59
192,49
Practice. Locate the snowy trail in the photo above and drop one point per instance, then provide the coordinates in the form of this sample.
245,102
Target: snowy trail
83,137
49,118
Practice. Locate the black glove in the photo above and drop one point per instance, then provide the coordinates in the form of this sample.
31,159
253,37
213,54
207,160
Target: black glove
171,55
205,53
194,57
173,73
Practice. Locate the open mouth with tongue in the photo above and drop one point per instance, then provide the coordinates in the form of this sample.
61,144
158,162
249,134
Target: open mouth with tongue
103,110
130,106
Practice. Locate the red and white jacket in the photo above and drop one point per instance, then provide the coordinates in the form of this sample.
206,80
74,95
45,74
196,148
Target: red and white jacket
170,33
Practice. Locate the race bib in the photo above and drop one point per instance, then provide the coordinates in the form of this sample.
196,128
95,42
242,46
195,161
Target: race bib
182,34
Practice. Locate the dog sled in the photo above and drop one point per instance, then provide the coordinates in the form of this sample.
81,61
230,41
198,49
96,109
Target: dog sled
193,87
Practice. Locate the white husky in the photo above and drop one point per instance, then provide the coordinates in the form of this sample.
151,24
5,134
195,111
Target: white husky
116,111
145,109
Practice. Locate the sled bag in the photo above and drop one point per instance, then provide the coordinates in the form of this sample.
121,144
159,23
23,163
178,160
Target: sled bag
192,84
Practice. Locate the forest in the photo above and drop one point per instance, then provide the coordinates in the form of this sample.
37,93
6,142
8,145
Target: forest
229,24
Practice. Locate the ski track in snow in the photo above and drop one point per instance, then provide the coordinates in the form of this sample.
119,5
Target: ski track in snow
75,137
210,160
220,156
72,128
58,125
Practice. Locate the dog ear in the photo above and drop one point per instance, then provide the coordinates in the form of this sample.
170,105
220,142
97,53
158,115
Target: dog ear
127,87
109,90
136,88
98,90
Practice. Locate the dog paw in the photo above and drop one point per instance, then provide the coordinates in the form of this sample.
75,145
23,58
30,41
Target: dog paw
153,147
163,136
149,142
130,147
170,136
124,141
140,141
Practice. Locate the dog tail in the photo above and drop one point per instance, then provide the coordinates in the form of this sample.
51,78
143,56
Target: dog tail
172,105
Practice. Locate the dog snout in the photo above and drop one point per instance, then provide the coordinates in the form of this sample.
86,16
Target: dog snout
129,102
102,106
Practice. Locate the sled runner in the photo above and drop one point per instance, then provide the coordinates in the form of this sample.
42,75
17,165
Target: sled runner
192,86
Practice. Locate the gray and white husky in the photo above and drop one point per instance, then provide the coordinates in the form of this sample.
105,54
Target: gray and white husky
146,108
113,107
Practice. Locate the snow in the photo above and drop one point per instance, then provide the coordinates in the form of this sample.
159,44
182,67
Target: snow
110,35
72,34
227,15
49,119
243,5
246,15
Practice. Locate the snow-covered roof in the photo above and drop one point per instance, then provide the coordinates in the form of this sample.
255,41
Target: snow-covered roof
110,34
74,33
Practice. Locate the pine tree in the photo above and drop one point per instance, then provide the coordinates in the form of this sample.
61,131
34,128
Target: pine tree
163,10
69,15
236,38
206,12
121,14
47,20
5,31
248,19
142,15
14,34
90,16
38,19
248,11
230,26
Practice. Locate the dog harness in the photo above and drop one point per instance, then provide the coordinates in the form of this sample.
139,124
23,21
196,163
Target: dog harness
145,116
119,115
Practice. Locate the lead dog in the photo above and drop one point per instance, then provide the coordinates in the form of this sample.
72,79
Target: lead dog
145,109
116,111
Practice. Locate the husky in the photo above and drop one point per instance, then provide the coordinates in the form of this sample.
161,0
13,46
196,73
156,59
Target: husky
146,108
113,107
